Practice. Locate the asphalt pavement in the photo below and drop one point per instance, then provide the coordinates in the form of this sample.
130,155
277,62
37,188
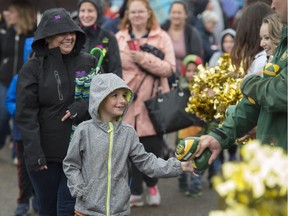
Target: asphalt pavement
173,203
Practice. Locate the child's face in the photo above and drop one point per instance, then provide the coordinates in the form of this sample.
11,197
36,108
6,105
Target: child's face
113,105
191,71
228,43
266,43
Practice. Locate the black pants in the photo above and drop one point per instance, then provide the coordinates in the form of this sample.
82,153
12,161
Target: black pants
24,183
151,144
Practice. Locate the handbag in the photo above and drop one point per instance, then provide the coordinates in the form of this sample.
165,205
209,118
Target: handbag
167,111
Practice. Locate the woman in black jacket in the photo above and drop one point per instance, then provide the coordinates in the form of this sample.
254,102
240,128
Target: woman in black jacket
182,34
46,108
90,15
21,21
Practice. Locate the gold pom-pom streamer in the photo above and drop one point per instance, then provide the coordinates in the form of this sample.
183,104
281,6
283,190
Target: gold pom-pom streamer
214,89
256,185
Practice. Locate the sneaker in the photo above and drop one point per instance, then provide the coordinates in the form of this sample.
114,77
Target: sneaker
193,194
15,161
136,201
153,196
22,209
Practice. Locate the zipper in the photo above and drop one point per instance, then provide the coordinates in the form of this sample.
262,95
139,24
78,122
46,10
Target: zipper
58,80
111,133
15,62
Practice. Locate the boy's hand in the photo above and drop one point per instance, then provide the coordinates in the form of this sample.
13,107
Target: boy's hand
187,166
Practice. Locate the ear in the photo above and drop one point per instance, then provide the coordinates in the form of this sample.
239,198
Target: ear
47,40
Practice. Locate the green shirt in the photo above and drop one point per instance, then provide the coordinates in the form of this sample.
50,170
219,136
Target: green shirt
269,108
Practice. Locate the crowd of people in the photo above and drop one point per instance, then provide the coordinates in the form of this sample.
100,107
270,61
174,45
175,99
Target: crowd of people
145,44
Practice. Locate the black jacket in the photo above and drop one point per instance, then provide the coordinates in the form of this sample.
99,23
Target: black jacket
12,53
208,40
45,90
193,41
97,37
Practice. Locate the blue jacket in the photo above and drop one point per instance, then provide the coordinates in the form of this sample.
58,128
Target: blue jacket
10,103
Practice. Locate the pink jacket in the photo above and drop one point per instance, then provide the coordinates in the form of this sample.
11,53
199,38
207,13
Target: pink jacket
137,114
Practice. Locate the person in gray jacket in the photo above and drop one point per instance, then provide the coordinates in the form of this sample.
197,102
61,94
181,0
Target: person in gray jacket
102,148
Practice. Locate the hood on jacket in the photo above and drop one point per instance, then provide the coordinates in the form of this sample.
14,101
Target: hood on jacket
225,32
101,86
99,8
56,21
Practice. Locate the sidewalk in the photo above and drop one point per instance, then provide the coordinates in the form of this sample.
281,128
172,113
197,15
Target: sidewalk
173,203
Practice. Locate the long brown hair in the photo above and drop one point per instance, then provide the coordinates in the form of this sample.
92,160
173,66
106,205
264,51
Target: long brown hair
27,15
152,21
247,40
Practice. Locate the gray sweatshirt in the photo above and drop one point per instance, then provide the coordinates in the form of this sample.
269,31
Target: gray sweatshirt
99,154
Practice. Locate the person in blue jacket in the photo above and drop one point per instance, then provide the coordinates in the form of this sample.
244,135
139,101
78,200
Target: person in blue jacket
24,184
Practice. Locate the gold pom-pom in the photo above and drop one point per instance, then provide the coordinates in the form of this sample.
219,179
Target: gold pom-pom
214,89
256,185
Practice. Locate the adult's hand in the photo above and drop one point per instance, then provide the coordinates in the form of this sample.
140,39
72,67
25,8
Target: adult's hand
137,56
212,144
42,167
66,116
250,134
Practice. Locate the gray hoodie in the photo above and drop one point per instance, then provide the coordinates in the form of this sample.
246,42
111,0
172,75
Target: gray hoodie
215,57
99,154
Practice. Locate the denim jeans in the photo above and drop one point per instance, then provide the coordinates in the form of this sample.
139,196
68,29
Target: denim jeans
189,182
4,116
52,193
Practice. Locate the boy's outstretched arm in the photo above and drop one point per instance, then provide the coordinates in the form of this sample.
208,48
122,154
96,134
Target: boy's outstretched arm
187,166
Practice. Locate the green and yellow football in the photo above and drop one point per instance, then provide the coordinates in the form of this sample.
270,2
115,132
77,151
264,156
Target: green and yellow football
186,148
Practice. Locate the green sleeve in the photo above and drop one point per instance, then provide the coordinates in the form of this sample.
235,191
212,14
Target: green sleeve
270,93
237,124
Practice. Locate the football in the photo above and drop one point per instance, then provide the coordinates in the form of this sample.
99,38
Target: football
186,148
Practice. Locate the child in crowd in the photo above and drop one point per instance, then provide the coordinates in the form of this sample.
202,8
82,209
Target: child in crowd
191,185
226,43
102,148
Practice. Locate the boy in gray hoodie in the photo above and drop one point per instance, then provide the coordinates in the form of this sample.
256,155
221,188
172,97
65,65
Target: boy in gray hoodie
99,154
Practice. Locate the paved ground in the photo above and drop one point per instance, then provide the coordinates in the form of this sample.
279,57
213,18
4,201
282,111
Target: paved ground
173,202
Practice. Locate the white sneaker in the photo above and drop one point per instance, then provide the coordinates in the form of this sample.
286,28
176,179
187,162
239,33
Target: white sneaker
153,196
136,201
15,161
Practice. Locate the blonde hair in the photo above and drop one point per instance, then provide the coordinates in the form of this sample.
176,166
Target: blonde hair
274,27
209,16
26,13
152,21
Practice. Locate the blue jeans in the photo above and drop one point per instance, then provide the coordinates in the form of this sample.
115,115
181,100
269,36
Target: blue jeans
189,182
4,116
52,193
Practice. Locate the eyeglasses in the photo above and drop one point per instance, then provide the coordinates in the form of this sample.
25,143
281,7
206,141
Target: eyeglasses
140,12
